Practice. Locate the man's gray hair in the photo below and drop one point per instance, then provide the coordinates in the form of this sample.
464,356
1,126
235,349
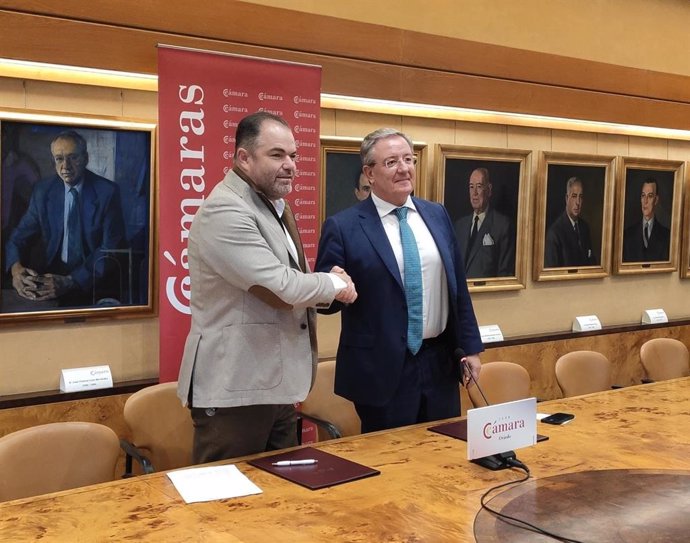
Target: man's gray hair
485,174
75,137
374,137
569,184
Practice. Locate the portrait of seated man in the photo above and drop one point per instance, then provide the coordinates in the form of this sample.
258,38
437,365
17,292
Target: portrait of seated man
647,240
60,248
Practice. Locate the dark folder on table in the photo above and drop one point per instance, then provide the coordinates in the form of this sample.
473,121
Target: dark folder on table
458,430
329,470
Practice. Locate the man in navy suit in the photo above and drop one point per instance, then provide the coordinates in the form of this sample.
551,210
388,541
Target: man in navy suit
397,374
74,217
485,236
647,240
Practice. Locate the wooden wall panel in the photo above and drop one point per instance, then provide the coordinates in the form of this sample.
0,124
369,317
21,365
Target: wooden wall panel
389,63
251,24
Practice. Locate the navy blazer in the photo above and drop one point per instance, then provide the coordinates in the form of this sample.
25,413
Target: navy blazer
43,222
373,337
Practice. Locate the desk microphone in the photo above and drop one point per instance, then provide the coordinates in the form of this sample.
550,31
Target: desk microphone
495,461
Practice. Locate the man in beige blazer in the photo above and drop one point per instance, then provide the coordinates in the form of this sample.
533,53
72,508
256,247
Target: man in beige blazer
251,350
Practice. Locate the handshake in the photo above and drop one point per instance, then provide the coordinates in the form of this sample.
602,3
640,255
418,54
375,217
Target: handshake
348,294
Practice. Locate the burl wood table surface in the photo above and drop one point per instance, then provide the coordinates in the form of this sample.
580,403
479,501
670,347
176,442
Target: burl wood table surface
427,490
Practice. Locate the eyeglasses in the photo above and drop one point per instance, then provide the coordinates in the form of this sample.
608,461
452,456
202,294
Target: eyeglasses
70,159
391,162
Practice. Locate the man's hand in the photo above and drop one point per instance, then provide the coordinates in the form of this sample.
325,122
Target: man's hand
24,281
51,286
349,294
474,364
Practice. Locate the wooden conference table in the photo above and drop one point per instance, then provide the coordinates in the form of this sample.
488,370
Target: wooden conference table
427,490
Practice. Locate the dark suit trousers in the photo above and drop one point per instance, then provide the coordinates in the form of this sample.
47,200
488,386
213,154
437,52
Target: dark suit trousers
428,390
229,432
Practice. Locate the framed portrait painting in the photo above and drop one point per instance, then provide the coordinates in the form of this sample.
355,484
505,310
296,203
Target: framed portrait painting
343,183
685,237
486,193
574,216
649,200
77,197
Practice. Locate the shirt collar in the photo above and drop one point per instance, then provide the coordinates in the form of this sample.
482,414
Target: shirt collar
78,186
482,214
384,208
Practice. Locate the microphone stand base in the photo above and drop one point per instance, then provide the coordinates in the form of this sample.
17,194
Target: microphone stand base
495,462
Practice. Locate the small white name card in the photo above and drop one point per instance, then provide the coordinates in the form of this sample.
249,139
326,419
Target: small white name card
654,316
490,333
93,377
586,323
501,427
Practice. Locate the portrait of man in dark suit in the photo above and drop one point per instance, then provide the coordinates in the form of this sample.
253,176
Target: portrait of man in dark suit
482,199
568,241
486,237
574,215
648,239
82,239
342,171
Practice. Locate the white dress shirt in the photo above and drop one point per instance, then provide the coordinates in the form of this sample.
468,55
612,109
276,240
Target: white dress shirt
434,282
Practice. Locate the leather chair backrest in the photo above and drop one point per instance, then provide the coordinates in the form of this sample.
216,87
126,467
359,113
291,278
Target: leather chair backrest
665,358
500,382
57,456
161,426
583,372
323,403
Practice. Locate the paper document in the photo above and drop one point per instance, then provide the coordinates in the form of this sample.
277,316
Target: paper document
212,483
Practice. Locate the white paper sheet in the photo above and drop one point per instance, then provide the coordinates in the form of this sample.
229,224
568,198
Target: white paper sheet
212,483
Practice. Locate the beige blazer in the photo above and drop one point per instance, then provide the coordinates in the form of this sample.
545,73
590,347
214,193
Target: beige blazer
251,306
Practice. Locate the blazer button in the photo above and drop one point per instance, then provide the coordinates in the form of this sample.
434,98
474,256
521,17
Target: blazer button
303,326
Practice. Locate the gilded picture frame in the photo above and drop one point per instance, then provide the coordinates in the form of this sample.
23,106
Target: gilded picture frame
574,216
111,163
496,256
648,187
685,237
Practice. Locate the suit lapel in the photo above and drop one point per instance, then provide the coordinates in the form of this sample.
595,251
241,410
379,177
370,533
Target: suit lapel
291,226
56,216
264,209
373,229
89,204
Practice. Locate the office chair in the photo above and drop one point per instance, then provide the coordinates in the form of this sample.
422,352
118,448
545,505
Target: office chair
161,429
57,456
665,358
583,372
333,415
500,382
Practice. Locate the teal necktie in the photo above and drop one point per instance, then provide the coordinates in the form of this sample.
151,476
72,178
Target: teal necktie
413,283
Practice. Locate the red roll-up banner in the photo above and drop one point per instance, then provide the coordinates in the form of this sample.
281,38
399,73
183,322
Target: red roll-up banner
201,97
